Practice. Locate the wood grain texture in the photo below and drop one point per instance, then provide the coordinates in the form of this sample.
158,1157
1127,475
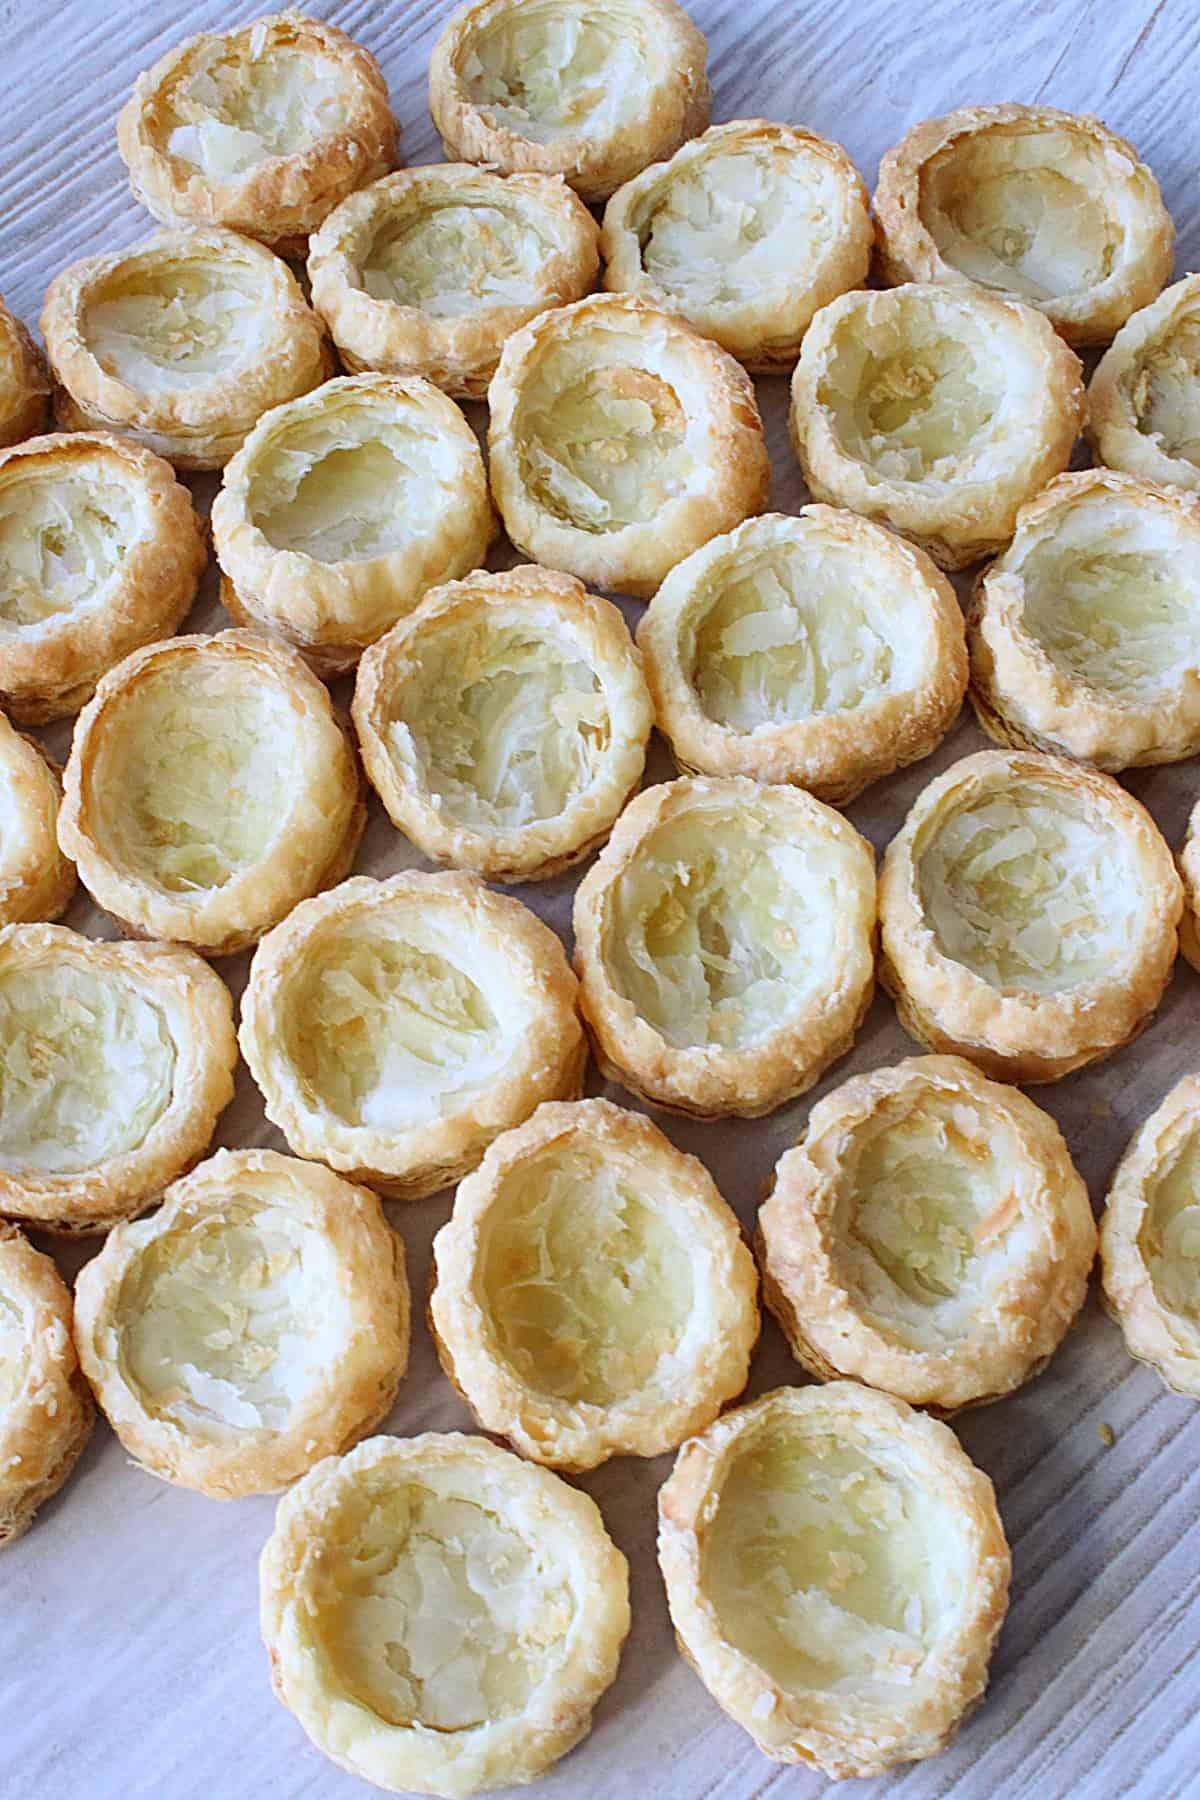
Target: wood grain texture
128,1631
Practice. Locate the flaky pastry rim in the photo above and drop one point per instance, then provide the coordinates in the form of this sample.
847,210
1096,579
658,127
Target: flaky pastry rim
634,559
676,105
810,1728
955,523
575,1435
548,1063
323,827
44,1430
354,1392
198,427
1011,1339
1111,425
908,252
763,331
707,1081
36,879
199,1013
834,755
544,847
459,355
517,1747
282,198
1014,1034
25,384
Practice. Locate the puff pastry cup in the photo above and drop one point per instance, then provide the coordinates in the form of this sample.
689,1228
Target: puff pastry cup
1188,863
209,788
724,940
24,381
115,1062
589,89
36,879
46,1408
181,343
504,722
396,1027
428,271
1048,207
343,508
100,552
1085,633
1150,1240
620,441
257,1322
262,129
1143,402
440,1616
1028,911
746,231
837,1574
937,410
592,1296
819,649
928,1236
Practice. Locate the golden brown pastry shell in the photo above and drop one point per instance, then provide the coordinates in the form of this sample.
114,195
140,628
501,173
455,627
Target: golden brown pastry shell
51,669
1120,393
458,353
36,879
24,382
354,1392
282,198
673,103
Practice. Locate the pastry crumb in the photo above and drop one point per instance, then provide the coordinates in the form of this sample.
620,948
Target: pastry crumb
1108,1436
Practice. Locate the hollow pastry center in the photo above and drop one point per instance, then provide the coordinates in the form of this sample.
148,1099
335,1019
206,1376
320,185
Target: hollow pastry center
584,1278
1030,890
1113,596
1164,389
505,725
87,1068
433,1611
552,69
249,102
62,539
387,1030
827,1563
455,258
14,1352
161,321
721,931
797,631
230,1319
918,403
1022,211
195,774
928,1200
1169,1237
605,446
734,222
353,482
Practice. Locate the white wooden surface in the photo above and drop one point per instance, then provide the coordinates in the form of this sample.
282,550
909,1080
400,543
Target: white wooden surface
129,1656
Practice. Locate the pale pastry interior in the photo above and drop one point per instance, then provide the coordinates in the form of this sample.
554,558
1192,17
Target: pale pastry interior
177,321
255,1323
505,722
64,536
746,232
555,68
836,1571
1026,887
455,258
442,1617
592,1293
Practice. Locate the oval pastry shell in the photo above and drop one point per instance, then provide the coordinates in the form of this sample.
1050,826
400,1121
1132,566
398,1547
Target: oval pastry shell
553,243
190,1007
416,684
277,198
36,879
217,1432
1001,1285
651,100
693,1375
551,1532
1143,402
890,1703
